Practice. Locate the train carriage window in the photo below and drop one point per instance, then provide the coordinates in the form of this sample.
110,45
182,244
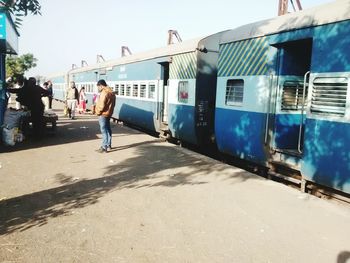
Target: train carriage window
292,95
122,89
234,92
135,90
143,91
116,89
152,91
183,92
329,96
128,90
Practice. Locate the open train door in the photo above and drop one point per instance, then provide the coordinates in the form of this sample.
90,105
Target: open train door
288,95
164,101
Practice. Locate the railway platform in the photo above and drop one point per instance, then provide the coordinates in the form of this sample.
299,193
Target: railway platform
150,201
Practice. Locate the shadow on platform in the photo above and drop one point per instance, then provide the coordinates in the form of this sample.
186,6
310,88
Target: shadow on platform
153,165
83,128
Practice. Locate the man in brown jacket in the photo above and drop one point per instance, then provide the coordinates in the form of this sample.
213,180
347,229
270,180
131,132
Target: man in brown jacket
104,110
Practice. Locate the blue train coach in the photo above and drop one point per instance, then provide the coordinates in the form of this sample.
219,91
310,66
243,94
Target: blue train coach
170,89
282,96
140,83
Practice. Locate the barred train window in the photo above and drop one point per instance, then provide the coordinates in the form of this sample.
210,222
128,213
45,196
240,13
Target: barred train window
329,96
135,90
142,90
292,95
183,92
152,91
234,92
122,89
128,90
116,89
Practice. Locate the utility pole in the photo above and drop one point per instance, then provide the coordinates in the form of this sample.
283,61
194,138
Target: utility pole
283,6
124,50
171,34
99,58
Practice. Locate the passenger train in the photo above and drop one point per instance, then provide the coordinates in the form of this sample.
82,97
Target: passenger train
274,92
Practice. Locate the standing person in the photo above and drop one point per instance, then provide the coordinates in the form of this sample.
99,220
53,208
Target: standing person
94,100
49,88
20,80
104,109
45,99
19,83
30,96
72,99
82,100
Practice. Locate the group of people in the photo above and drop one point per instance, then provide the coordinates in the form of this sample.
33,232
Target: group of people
103,109
74,99
36,98
30,96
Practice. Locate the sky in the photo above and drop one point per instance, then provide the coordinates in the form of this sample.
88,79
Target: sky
69,31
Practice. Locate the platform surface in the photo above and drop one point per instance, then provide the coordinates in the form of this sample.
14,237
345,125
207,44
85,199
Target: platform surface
151,201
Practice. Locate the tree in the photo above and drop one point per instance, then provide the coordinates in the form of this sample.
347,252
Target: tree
16,66
20,8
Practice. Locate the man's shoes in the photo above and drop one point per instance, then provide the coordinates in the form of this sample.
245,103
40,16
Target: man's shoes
101,150
109,148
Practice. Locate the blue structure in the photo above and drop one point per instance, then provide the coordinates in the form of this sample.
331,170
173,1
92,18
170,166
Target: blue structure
8,45
283,94
275,92
170,89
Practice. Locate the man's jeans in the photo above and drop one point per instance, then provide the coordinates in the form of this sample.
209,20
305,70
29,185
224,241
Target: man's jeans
106,131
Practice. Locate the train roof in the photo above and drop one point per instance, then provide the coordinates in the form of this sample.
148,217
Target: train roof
178,48
320,15
55,75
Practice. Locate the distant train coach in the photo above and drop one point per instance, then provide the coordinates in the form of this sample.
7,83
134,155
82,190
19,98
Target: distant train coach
274,92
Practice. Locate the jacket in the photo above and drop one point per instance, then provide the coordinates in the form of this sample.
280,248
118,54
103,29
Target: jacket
72,94
106,102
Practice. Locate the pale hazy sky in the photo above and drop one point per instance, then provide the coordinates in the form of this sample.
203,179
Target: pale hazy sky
69,31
